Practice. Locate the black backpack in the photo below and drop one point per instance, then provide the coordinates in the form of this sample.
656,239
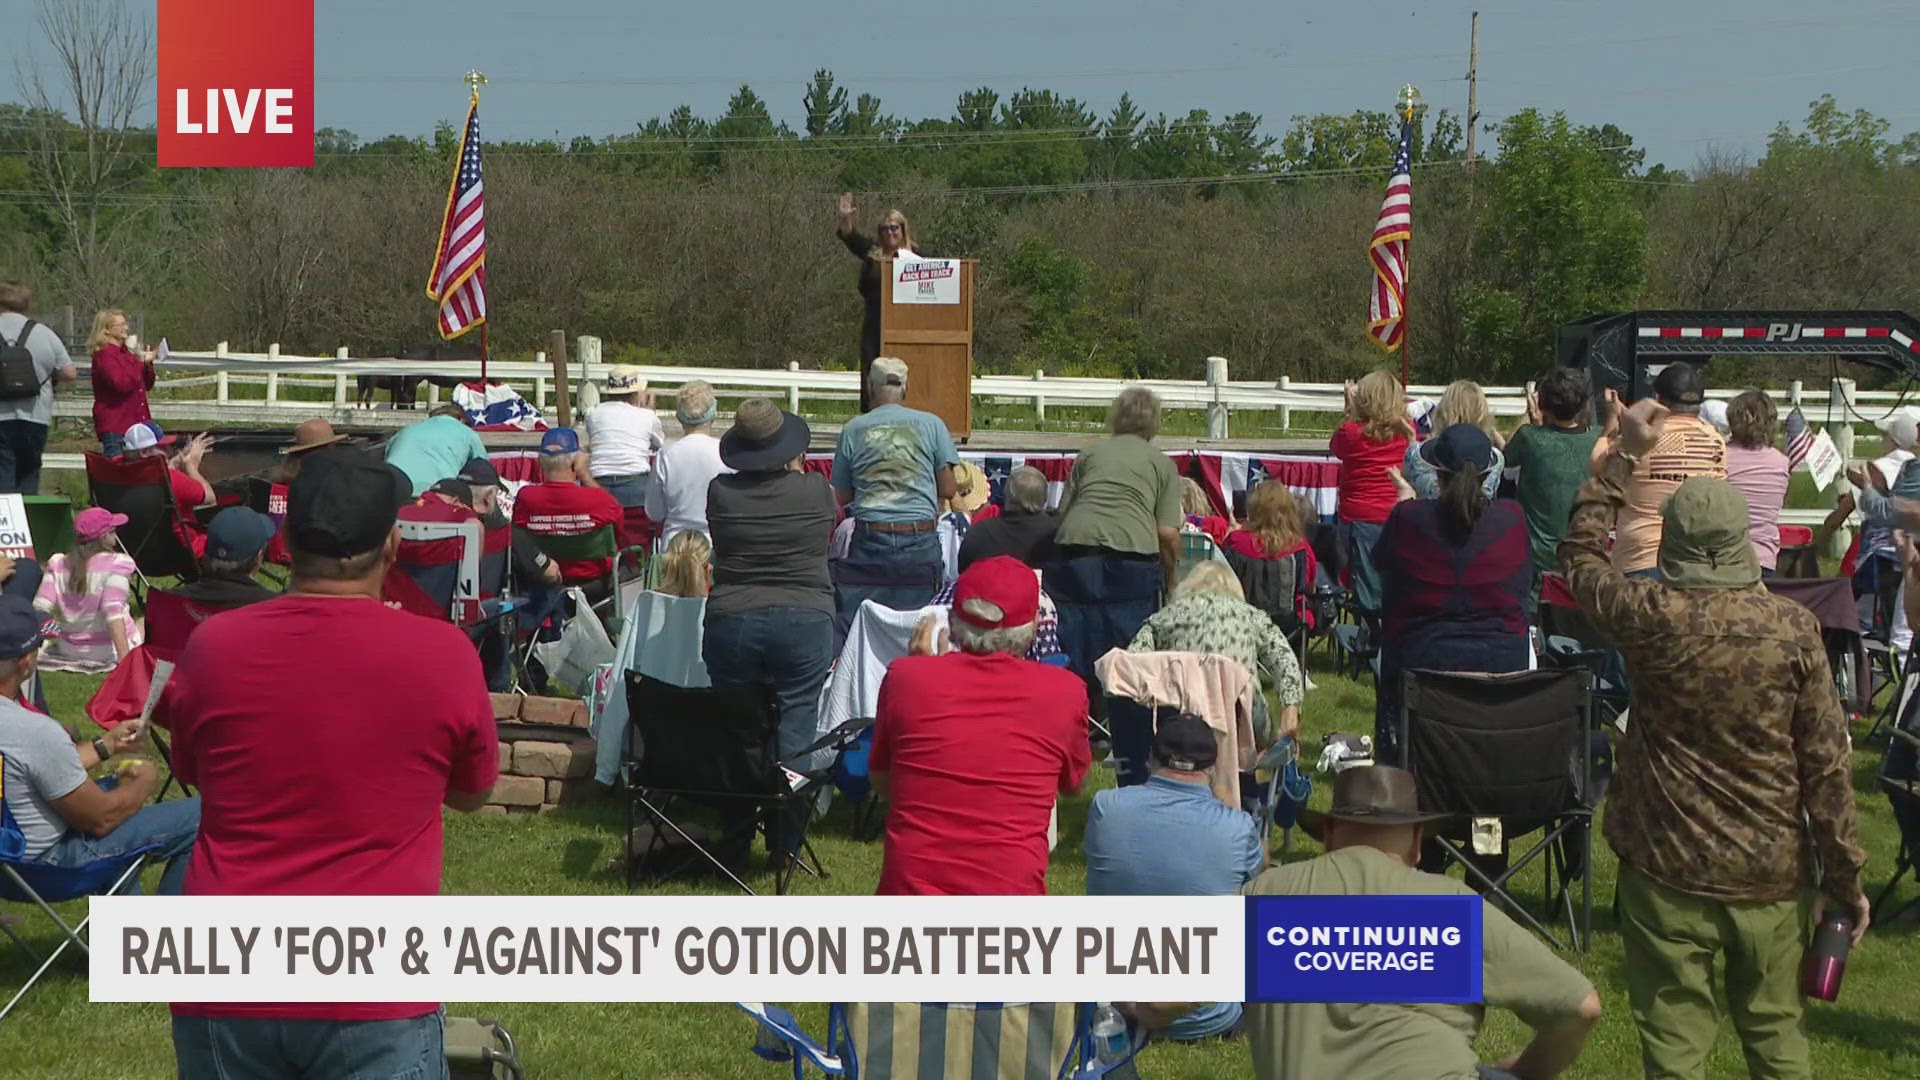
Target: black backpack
19,375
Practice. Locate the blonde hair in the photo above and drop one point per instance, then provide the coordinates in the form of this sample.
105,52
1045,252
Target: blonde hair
893,217
1463,402
1210,577
1273,515
101,319
1193,498
1379,405
684,565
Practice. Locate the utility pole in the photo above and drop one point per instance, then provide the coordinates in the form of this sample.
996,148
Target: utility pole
1473,87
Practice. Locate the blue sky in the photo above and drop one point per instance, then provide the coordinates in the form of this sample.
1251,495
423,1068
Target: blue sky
1681,77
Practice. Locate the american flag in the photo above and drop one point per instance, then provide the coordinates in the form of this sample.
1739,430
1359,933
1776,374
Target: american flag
1387,308
1799,439
459,277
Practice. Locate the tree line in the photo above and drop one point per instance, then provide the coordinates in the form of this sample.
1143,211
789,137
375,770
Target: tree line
1116,244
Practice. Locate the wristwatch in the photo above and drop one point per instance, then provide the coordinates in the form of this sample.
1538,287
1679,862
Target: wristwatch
100,748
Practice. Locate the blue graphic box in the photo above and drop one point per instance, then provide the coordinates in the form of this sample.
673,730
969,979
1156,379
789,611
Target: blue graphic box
1414,949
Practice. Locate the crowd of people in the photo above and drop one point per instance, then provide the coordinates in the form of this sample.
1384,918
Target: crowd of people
1660,526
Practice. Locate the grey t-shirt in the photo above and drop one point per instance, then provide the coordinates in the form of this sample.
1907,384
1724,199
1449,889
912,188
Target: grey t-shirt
49,356
41,765
770,533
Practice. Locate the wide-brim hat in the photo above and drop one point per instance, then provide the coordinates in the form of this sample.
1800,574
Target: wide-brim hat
312,435
976,495
763,437
625,379
1371,795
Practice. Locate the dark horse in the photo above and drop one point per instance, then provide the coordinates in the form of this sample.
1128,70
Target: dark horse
402,390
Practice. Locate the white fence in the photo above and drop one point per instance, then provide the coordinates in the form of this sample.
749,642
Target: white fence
222,370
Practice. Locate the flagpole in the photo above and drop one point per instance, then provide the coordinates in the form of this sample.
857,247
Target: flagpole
1409,97
475,81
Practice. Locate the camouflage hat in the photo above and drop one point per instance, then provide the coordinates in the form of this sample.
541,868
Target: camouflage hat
1704,542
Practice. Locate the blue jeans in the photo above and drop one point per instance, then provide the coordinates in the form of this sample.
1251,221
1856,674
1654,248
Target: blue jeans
1359,538
905,550
1651,573
22,442
1102,600
626,490
787,648
172,824
206,1048
112,443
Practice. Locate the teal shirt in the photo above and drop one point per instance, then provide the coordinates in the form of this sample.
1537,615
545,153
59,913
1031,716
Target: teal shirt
1553,464
888,458
432,450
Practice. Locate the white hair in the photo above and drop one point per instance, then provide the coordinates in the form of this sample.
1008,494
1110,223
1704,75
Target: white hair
985,641
1027,490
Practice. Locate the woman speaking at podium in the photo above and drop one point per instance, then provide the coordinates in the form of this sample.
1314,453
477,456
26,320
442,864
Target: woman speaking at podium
894,240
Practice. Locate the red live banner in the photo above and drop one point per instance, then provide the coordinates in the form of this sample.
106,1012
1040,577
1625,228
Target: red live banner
235,83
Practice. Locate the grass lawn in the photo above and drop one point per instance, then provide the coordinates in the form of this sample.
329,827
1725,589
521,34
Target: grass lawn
1874,1031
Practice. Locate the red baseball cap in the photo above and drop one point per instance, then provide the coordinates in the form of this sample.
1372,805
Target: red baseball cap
1006,583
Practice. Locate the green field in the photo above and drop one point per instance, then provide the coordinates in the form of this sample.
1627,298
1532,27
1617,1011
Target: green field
1873,1031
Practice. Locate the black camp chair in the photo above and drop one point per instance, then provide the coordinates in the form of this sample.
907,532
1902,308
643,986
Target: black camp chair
713,747
154,535
1900,779
1515,747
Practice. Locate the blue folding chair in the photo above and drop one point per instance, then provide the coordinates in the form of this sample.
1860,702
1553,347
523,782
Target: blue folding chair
908,1041
26,882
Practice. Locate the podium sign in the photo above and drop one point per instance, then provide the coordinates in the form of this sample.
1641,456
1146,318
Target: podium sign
926,319
926,281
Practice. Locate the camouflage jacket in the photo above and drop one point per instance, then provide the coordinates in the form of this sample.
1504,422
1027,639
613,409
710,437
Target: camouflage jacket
1734,727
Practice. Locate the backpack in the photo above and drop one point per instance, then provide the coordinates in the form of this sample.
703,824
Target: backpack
19,375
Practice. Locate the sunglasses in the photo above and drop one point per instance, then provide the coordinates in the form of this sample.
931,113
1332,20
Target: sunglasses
890,228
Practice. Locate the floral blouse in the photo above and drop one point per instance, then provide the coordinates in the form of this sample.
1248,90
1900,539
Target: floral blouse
1215,623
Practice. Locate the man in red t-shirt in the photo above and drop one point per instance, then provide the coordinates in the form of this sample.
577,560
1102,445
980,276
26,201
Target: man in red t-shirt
336,789
568,503
973,748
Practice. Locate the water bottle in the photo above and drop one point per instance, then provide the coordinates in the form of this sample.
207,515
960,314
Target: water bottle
1111,1043
1826,961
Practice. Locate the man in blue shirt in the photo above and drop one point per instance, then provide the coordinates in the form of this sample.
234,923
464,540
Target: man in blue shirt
435,449
1172,837
893,472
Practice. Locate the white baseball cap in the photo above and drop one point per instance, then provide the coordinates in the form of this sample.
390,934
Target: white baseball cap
1902,428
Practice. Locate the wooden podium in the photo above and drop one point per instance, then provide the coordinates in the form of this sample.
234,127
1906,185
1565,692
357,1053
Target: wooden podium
929,324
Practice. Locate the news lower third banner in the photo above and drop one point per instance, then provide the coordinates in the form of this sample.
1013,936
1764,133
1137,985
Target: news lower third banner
787,948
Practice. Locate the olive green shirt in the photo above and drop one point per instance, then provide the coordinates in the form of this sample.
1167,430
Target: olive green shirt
1119,494
1403,1042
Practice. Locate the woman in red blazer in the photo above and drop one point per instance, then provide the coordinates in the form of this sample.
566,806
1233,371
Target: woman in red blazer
121,379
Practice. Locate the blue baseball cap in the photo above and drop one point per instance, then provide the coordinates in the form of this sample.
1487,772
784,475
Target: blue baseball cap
560,440
238,533
22,628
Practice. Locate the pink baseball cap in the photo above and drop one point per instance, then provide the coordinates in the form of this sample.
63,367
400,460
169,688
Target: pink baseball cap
95,522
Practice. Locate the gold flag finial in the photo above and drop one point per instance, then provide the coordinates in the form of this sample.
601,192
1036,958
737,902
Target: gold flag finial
1408,102
474,80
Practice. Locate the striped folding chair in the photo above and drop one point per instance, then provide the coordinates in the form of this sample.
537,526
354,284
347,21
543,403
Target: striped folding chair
942,1041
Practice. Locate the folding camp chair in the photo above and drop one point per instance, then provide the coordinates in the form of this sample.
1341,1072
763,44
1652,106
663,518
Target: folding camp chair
714,747
448,560
160,543
942,1041
1516,748
1900,779
607,594
1277,587
170,621
480,1050
43,886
